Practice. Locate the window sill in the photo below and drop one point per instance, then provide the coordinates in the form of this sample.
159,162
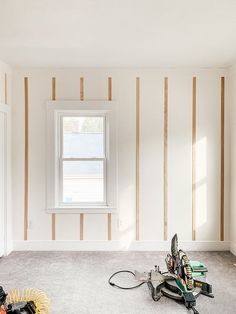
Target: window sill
80,210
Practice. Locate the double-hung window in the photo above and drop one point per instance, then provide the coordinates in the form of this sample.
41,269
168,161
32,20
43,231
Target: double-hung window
83,159
81,156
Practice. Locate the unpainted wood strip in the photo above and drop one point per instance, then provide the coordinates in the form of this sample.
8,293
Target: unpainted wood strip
109,217
109,88
81,88
165,158
5,88
53,88
26,179
81,226
109,225
53,227
194,134
81,215
137,157
222,161
54,215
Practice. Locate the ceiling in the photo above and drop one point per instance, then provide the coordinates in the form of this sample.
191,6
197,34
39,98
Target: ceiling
118,33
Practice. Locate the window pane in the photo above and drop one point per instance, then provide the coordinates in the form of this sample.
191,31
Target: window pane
83,181
83,137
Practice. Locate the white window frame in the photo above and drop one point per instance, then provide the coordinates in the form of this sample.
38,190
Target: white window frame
81,113
56,110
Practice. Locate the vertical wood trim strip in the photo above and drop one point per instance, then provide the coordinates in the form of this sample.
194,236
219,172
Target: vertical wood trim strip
109,225
53,88
6,88
53,215
194,134
26,181
81,226
109,230
81,215
137,156
109,88
222,185
53,226
81,88
165,158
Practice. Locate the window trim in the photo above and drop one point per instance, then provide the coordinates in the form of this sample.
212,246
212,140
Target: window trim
58,109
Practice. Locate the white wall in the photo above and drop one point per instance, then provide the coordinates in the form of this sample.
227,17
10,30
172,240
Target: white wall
5,98
232,100
5,69
151,163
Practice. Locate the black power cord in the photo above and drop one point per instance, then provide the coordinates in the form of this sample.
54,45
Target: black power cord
124,288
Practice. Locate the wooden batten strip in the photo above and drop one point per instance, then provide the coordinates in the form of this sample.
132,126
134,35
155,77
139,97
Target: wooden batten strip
26,179
53,227
53,215
81,226
222,170
137,157
82,215
81,88
194,134
165,158
53,88
5,79
109,217
109,88
109,226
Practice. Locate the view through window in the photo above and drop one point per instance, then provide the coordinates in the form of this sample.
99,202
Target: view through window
83,159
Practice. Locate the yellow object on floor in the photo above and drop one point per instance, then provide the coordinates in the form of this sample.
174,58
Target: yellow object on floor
39,298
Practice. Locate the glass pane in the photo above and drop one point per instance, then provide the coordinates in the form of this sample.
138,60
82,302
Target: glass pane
83,181
83,137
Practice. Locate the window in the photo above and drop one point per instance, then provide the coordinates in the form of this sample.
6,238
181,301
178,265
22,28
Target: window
83,159
82,164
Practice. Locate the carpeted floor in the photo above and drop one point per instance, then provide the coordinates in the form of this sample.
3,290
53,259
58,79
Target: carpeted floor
76,282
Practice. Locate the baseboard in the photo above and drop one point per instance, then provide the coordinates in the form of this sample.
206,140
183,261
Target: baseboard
118,246
233,248
8,251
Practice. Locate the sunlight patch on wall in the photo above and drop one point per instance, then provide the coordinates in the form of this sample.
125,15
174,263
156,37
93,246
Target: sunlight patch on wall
201,182
201,157
201,202
126,221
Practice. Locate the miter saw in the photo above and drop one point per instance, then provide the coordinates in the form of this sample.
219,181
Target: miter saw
184,281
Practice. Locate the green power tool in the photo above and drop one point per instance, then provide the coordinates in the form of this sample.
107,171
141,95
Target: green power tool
184,281
189,277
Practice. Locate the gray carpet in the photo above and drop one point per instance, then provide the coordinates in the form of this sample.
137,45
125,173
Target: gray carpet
76,282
